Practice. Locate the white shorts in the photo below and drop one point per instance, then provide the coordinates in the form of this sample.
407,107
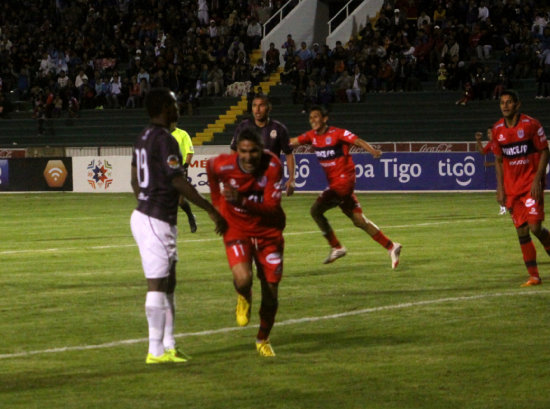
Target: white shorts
156,240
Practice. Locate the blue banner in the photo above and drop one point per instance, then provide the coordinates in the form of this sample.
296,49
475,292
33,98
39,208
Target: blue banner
405,171
4,173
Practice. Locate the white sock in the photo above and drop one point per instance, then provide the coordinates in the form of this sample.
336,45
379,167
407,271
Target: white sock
155,309
169,341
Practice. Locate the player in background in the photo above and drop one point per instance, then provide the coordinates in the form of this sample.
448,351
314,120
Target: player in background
187,151
331,147
521,153
274,135
484,150
157,178
246,188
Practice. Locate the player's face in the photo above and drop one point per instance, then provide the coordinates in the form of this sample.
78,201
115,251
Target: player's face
508,106
250,155
317,121
260,110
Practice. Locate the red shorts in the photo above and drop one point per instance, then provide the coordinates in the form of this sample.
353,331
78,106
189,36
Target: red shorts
525,209
343,198
267,254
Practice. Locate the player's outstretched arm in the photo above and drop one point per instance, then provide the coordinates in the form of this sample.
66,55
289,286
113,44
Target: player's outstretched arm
376,153
191,194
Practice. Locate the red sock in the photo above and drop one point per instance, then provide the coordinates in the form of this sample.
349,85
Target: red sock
529,255
332,240
267,319
382,240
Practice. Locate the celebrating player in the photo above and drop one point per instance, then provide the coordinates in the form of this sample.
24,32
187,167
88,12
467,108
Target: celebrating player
157,181
274,135
331,147
246,189
521,152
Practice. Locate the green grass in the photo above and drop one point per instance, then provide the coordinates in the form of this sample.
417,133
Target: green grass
450,328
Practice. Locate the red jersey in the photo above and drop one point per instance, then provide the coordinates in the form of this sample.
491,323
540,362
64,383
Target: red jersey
260,212
488,148
520,148
332,151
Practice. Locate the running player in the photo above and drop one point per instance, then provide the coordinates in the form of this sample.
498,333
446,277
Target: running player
157,181
274,135
521,152
331,147
246,189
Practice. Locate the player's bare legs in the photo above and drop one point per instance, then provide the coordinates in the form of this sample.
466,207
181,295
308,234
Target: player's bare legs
542,234
361,221
268,310
242,280
317,211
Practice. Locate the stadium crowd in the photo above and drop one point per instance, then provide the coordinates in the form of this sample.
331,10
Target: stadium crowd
68,55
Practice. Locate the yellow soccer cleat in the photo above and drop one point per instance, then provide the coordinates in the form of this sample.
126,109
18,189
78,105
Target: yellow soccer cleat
242,312
170,356
177,355
264,348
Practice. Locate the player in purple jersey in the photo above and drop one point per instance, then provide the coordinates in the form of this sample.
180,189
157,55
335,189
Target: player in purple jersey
274,135
157,181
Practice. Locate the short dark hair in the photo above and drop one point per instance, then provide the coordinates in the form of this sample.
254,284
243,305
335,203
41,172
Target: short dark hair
320,108
156,100
264,98
513,93
250,134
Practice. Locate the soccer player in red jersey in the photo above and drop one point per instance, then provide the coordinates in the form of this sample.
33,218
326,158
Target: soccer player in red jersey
521,152
246,188
331,147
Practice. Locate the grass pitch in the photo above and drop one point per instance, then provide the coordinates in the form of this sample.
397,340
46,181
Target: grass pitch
450,328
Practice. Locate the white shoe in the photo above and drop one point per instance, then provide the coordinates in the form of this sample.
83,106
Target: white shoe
502,210
394,254
335,254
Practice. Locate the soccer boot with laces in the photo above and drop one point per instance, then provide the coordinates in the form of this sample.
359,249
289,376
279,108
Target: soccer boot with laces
394,254
335,254
165,358
242,311
264,348
532,281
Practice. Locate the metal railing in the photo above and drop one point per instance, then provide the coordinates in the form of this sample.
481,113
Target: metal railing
278,16
343,14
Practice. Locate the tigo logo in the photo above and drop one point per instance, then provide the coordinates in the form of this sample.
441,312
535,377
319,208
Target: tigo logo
55,173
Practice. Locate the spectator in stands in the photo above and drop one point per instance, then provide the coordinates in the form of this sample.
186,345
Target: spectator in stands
289,43
214,84
134,95
258,72
305,56
358,86
423,20
254,34
299,87
235,47
115,91
272,59
202,12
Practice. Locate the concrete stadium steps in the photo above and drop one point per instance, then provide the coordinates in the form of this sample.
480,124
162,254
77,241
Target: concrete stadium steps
102,127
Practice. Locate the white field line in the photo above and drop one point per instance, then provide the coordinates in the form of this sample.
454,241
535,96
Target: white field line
282,323
115,246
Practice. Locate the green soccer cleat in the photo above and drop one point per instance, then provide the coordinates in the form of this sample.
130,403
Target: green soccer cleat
242,312
264,348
